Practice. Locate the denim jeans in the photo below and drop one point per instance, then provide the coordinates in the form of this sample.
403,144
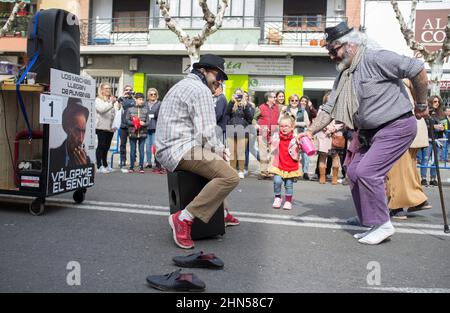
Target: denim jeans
425,157
148,145
288,185
305,163
141,142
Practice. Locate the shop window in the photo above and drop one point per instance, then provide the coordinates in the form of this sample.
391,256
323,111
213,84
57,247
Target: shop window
163,83
304,15
131,15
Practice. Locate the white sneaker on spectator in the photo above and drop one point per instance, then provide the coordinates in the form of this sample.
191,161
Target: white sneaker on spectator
241,175
110,169
124,170
102,170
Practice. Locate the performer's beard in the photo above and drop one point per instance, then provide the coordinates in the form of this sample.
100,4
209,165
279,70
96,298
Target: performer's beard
344,63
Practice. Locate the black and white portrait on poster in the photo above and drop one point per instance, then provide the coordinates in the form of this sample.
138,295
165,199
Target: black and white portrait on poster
72,145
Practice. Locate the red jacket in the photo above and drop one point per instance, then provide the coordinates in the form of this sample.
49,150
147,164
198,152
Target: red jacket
268,119
282,159
269,116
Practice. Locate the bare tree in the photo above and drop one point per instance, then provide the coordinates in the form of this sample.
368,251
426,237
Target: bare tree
434,59
193,45
19,5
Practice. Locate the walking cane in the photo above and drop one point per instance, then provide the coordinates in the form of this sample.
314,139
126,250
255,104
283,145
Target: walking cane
438,173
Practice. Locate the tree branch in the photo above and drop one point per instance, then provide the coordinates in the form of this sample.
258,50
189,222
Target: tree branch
446,44
408,33
213,23
172,24
19,5
412,17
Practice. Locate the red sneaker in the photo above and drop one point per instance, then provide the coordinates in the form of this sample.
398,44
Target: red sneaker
181,231
230,220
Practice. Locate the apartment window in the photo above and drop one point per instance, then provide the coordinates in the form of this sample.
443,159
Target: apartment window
304,15
192,13
131,15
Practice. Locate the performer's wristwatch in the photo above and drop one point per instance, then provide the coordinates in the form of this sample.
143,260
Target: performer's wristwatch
421,107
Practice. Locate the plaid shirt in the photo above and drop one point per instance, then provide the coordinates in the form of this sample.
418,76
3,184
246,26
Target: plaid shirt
186,119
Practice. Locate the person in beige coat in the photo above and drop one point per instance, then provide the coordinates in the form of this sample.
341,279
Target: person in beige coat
324,148
403,186
105,106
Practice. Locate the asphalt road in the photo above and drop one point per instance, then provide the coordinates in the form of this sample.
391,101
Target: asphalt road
121,234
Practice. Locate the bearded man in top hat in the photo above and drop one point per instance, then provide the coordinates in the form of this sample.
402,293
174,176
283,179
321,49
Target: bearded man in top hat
368,95
186,140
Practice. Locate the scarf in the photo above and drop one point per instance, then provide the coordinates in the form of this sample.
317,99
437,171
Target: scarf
346,103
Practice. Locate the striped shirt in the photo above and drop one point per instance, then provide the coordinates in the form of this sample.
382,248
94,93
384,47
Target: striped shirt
186,119
379,88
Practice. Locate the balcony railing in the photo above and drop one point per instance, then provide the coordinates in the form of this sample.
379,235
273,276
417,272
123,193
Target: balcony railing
281,30
307,30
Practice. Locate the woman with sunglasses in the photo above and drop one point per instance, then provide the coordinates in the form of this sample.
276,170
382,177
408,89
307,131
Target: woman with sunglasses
426,155
105,105
153,105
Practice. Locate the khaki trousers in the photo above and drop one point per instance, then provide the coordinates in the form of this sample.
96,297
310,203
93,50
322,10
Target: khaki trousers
222,180
237,148
264,154
403,183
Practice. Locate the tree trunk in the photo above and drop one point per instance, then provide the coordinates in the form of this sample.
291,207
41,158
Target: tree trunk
194,55
437,68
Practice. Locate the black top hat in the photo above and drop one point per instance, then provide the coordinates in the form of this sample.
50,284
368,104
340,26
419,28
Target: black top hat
336,32
212,61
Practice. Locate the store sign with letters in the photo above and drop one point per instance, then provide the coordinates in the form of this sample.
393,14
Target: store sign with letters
255,66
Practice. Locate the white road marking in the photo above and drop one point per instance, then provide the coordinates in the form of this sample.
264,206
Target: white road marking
261,218
272,219
410,290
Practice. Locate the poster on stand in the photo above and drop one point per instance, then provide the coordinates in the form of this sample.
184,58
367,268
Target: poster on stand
72,142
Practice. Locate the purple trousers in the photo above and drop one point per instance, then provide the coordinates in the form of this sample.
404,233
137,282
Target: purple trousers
368,169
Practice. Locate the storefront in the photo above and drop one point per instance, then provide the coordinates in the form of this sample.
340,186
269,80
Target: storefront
311,76
255,75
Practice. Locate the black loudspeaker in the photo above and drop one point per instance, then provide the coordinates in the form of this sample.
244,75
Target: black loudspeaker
183,188
57,37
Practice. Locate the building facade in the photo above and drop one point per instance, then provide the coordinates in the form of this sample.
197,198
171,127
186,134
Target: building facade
267,44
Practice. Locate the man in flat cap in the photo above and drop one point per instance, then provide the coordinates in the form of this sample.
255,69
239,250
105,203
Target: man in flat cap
368,95
186,140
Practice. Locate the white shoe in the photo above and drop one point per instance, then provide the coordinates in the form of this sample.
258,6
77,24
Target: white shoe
241,175
287,206
124,170
378,234
102,170
362,235
109,169
245,173
277,203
